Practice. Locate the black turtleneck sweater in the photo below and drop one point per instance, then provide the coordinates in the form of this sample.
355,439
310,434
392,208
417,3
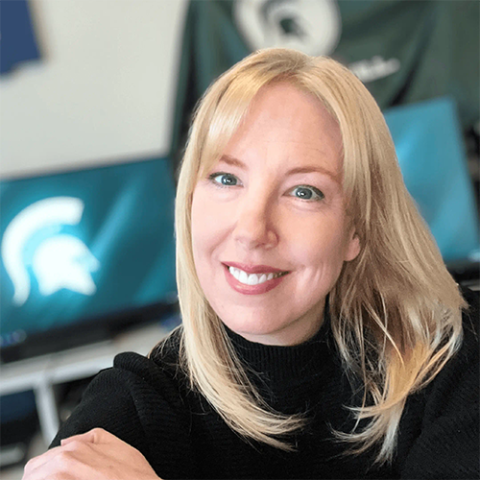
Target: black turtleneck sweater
146,403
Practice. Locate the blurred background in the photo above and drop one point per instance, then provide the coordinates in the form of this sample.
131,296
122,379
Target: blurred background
96,98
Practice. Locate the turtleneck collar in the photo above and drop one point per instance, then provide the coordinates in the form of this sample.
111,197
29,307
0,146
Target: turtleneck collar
293,369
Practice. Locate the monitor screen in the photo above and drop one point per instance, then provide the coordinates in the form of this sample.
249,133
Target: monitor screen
85,245
431,154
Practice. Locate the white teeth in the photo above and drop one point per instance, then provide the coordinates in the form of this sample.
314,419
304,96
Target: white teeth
252,279
243,277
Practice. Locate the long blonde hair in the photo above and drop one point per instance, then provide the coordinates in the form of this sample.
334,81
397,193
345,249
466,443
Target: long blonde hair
395,310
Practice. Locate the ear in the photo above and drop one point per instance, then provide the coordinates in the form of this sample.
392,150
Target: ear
353,247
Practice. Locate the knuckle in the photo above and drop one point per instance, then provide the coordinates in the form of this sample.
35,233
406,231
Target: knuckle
73,445
98,433
98,430
60,476
64,457
30,465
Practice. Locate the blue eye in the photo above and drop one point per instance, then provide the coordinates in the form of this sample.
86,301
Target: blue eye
224,179
305,192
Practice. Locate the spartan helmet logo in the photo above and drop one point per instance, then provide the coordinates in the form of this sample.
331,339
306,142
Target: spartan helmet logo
60,261
311,26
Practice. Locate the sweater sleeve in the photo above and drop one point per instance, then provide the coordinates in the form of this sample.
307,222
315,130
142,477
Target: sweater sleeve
140,404
448,444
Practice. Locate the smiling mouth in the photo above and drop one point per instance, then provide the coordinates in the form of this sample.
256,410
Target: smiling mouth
253,278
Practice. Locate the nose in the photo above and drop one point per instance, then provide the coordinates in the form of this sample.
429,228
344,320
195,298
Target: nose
255,225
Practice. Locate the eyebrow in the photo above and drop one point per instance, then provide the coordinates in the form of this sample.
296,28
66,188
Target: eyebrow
232,161
304,169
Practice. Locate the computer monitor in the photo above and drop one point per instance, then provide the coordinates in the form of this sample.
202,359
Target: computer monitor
433,161
84,253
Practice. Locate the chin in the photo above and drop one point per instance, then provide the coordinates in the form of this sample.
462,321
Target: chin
261,331
255,326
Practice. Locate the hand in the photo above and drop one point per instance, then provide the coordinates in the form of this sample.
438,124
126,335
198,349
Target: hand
95,455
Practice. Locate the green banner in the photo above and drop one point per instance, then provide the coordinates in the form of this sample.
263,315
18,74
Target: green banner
404,51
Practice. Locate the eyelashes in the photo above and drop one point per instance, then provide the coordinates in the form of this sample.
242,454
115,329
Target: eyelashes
224,179
302,192
307,192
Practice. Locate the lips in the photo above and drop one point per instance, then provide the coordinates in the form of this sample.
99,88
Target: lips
262,278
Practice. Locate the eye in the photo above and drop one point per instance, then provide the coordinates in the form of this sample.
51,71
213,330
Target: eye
224,179
305,192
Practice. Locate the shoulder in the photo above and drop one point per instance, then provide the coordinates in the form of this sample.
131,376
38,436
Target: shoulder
442,420
456,387
459,379
471,316
162,365
126,398
159,373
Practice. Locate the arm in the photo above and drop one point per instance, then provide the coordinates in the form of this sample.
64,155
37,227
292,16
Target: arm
108,403
140,404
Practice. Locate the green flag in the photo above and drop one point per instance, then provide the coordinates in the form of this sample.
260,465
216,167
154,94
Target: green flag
404,51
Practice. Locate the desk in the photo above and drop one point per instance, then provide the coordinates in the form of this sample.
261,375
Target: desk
42,373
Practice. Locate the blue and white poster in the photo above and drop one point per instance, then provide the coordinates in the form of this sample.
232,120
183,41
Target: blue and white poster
17,37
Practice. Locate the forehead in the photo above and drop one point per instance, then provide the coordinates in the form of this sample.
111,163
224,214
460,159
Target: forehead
287,122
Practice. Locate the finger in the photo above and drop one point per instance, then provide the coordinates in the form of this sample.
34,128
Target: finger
41,459
99,440
61,465
46,457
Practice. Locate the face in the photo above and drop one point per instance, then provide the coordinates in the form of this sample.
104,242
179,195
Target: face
269,228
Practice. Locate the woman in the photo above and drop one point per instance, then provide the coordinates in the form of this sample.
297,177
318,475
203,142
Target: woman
322,335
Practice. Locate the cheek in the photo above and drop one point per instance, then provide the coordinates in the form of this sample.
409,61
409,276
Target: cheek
320,246
207,226
208,214
201,225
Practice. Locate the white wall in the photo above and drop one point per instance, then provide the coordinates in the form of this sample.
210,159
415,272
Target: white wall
103,91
